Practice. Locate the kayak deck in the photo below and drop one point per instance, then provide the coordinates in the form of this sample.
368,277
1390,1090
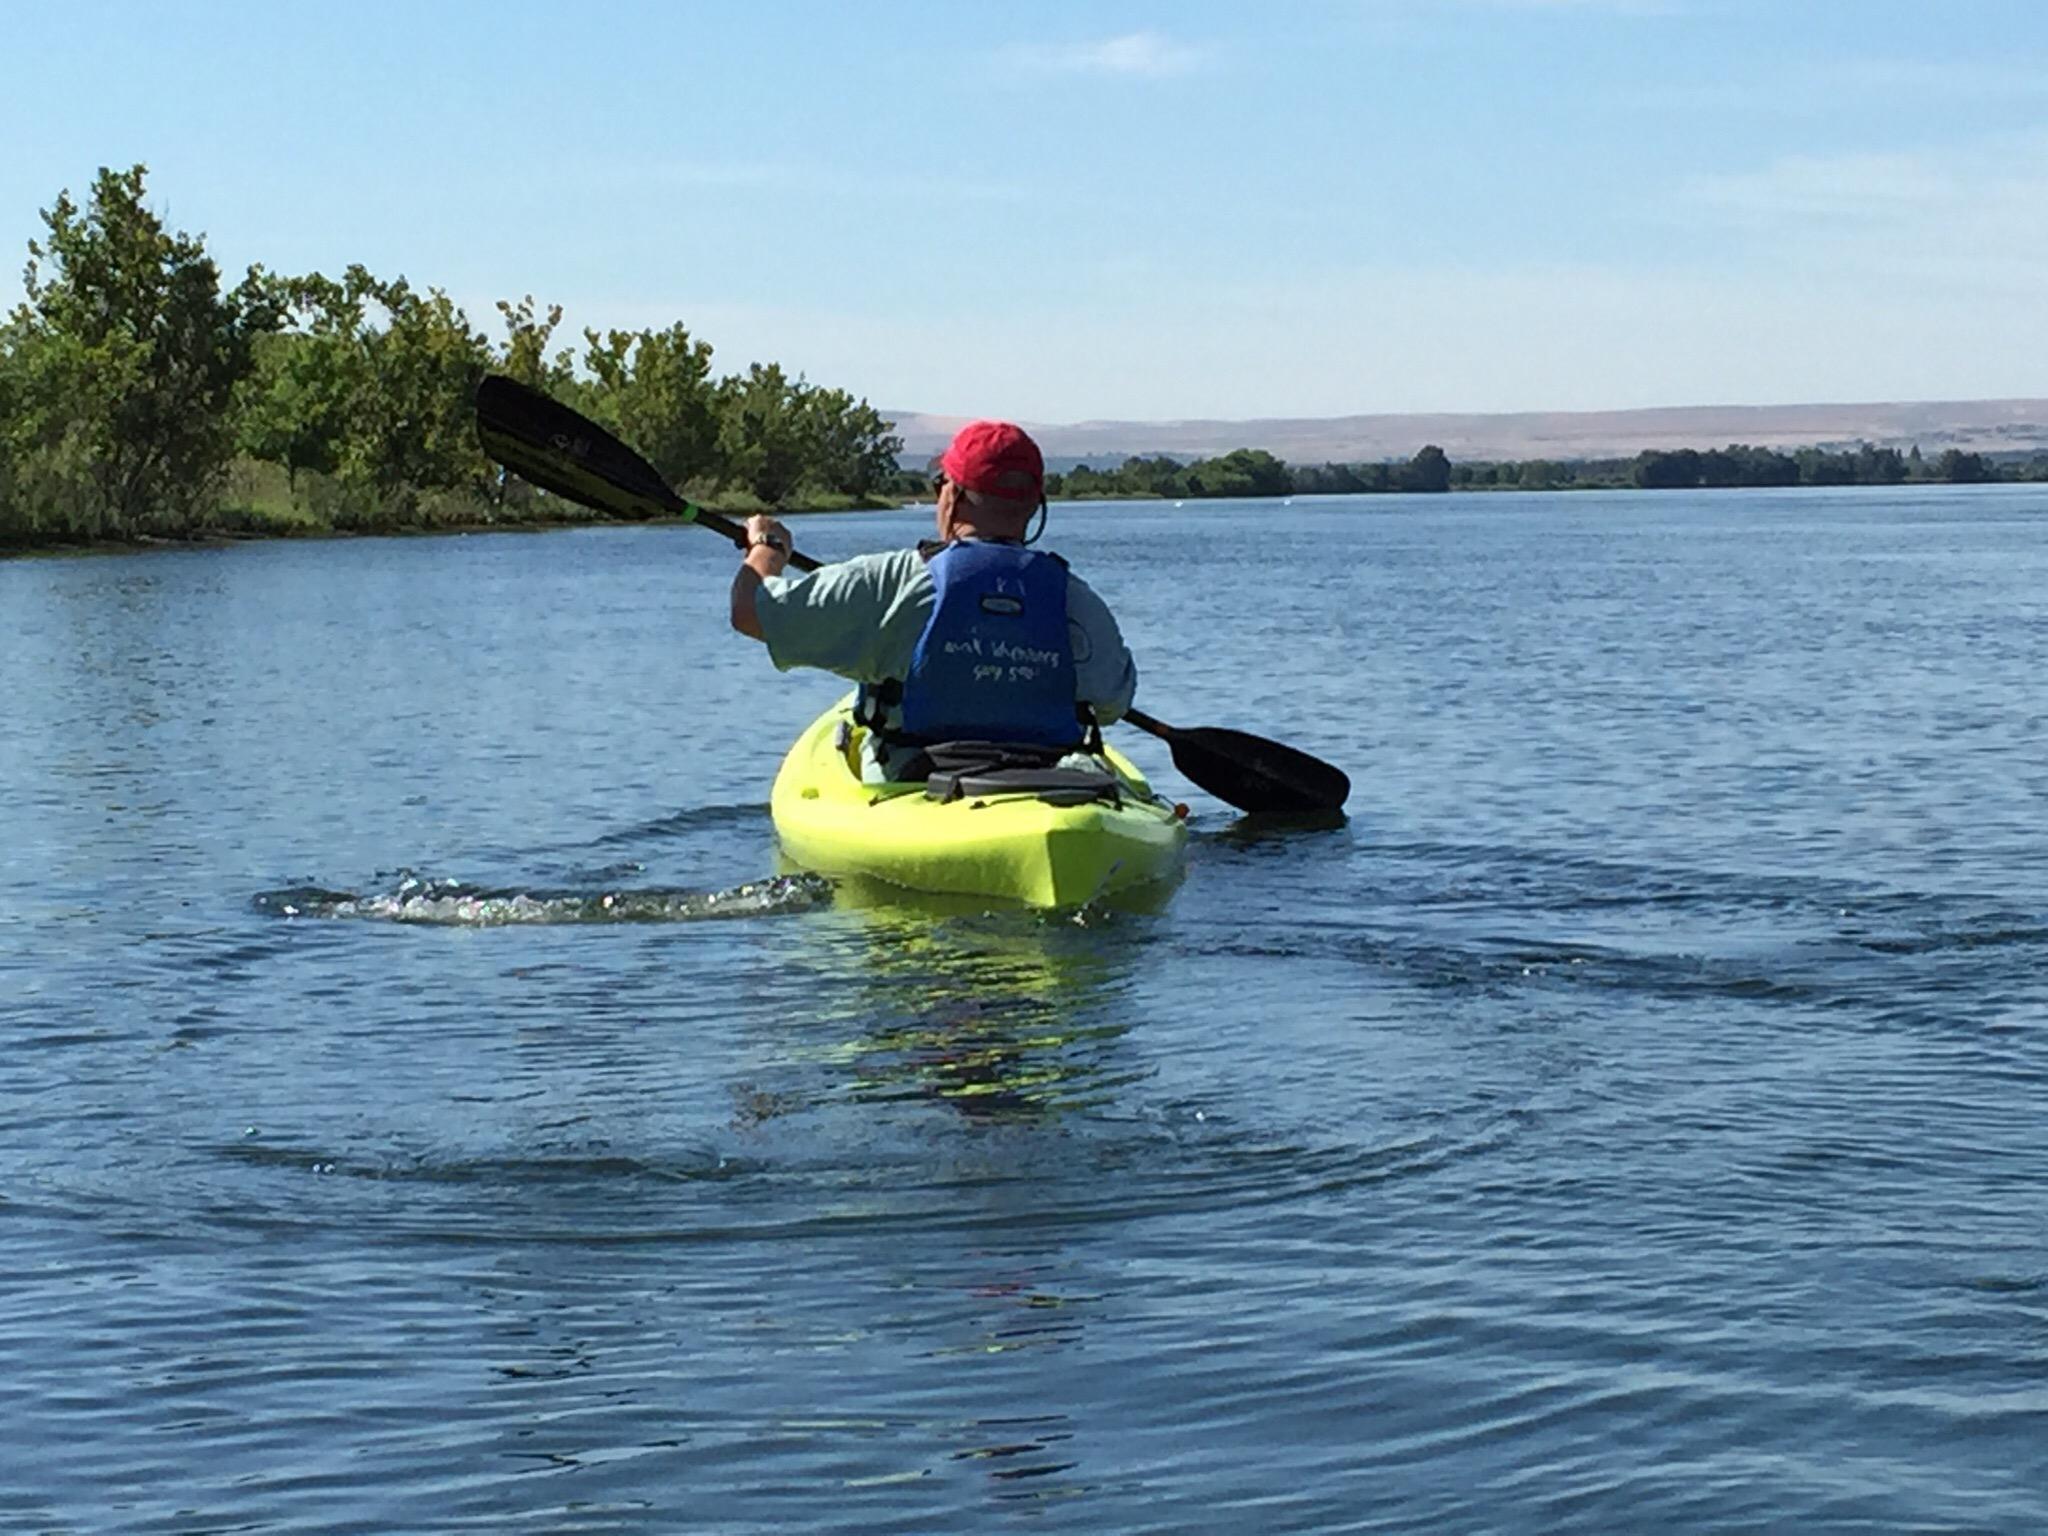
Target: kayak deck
1010,846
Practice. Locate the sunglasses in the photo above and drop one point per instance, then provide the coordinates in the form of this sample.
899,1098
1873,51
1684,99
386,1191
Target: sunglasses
938,481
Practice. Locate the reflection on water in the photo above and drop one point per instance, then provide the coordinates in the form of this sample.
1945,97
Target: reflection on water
1002,1015
1291,826
1015,1026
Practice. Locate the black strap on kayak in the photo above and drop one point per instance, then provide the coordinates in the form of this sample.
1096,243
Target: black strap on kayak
871,703
933,759
958,770
1091,732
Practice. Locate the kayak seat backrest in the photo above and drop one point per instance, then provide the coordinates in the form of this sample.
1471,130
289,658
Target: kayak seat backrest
957,770
982,757
1059,786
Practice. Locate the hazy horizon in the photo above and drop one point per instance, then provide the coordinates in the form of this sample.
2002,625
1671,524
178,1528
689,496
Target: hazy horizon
2006,426
1627,410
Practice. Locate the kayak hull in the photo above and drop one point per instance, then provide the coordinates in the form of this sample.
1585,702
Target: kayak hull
1011,847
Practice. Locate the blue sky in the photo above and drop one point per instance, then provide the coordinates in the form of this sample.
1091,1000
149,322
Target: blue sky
1062,211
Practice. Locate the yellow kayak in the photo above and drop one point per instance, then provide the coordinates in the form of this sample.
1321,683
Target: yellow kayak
1047,838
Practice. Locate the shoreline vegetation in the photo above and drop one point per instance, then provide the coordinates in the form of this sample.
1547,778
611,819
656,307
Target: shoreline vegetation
144,403
1251,472
144,399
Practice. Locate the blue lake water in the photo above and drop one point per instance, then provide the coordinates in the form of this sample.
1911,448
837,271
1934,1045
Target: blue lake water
427,1106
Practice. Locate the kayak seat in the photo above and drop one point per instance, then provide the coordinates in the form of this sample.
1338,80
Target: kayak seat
1057,786
962,770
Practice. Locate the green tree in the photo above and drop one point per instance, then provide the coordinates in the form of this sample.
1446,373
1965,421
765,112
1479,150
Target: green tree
1328,479
853,449
296,407
1879,466
1963,468
1241,472
14,521
654,389
1160,475
765,431
412,429
525,354
1662,470
123,360
1766,466
1429,470
1819,467
372,385
1081,482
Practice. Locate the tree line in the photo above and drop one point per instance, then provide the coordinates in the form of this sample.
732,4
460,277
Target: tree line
1254,472
1740,464
141,395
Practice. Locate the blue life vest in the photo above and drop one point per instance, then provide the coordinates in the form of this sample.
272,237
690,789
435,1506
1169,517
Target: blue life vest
994,662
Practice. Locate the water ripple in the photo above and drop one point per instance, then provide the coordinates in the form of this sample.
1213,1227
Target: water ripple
1629,1117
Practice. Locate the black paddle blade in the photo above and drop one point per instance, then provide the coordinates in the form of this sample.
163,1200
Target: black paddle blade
541,440
1250,772
560,450
1255,774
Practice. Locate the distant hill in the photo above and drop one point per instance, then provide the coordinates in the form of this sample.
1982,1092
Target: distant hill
1979,425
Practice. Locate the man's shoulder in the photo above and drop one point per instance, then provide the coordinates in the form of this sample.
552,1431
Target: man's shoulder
1077,587
880,578
888,567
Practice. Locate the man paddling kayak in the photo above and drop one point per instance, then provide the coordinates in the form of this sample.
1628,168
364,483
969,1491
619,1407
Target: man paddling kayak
537,437
972,636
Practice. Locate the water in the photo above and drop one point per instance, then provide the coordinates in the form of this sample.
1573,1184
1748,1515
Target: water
428,1107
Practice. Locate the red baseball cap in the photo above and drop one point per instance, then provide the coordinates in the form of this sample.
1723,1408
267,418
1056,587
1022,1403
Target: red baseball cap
997,459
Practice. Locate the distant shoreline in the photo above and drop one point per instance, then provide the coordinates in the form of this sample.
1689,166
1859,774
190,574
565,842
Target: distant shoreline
222,538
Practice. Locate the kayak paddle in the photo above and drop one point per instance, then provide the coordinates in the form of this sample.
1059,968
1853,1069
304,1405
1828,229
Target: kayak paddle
1249,772
562,451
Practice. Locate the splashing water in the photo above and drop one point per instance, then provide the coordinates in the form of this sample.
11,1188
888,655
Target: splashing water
451,903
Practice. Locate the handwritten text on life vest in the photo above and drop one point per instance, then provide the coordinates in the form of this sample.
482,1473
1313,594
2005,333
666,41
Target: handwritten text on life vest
1005,662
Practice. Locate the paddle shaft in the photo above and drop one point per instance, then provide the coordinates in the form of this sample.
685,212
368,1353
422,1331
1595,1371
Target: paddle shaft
1150,724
